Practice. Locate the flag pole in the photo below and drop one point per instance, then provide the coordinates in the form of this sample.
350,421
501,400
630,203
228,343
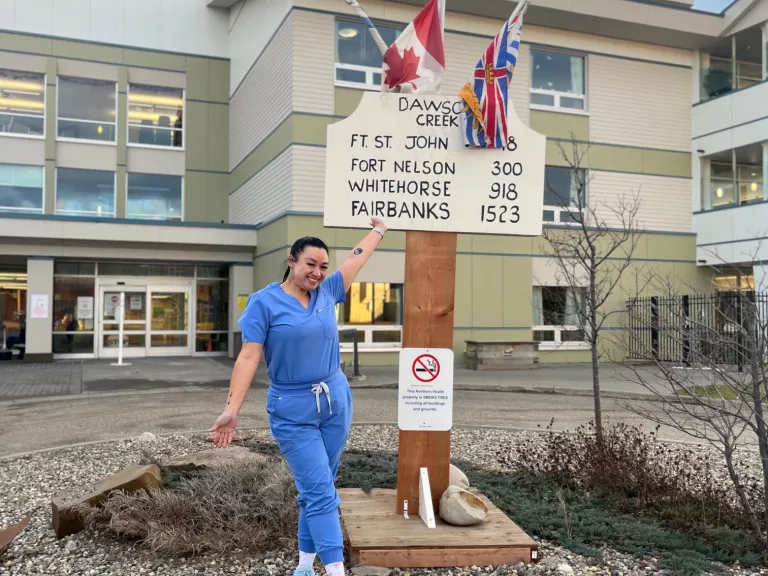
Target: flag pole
371,28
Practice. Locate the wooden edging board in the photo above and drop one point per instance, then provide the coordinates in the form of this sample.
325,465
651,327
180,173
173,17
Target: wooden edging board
378,536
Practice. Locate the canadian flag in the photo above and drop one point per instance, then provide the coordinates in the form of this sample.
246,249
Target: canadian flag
416,61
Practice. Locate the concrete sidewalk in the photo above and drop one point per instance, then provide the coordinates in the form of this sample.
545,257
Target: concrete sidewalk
93,377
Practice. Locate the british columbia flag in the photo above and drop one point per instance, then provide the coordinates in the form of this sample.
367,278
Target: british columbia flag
486,95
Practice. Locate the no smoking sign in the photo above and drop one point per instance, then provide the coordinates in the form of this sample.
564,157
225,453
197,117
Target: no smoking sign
425,399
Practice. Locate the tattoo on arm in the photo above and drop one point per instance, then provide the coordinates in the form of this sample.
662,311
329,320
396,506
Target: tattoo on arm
358,251
229,398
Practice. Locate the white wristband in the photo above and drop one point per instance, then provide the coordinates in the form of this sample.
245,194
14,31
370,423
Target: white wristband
379,231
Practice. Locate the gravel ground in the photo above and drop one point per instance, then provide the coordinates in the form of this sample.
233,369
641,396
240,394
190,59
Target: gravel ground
28,483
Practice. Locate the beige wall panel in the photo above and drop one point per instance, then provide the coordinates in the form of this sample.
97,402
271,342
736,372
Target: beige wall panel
81,69
381,267
12,61
152,161
249,125
308,179
86,156
157,78
626,108
532,34
314,54
22,151
266,195
665,203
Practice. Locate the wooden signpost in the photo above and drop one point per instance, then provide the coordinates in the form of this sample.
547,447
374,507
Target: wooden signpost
401,157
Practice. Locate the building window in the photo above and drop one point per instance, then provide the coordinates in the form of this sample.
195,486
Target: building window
74,285
154,197
22,103
86,109
13,309
155,116
85,192
373,310
561,194
558,81
212,326
732,184
358,58
558,314
21,188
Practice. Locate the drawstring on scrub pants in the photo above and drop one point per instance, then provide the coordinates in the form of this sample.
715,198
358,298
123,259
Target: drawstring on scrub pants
318,389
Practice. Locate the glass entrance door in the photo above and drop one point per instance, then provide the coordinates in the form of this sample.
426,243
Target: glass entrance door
134,326
169,321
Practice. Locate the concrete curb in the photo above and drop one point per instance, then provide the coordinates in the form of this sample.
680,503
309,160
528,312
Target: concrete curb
361,385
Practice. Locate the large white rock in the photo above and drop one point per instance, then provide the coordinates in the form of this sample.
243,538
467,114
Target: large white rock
458,478
462,508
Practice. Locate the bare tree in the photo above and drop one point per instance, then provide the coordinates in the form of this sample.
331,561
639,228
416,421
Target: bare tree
706,362
592,251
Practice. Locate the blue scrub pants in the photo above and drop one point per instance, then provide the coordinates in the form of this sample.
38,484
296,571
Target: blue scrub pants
312,443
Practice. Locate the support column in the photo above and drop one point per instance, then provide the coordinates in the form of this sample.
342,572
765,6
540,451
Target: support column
240,285
765,51
430,286
39,343
765,170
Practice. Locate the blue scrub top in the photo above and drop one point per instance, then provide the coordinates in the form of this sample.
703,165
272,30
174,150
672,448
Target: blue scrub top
301,345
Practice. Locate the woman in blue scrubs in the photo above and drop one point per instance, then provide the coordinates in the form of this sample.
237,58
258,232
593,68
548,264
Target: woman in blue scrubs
309,402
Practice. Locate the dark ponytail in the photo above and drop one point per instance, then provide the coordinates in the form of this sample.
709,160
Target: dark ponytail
299,246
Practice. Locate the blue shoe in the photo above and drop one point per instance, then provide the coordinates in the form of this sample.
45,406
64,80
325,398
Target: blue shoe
304,571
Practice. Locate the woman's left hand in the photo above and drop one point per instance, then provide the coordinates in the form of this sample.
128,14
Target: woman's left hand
378,223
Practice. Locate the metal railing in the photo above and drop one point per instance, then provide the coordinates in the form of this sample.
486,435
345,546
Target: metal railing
720,327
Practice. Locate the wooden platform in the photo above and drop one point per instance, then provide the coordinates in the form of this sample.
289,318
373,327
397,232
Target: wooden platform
380,537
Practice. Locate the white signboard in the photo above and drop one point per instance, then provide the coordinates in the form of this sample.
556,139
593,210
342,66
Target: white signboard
84,307
137,302
38,306
402,158
111,304
425,399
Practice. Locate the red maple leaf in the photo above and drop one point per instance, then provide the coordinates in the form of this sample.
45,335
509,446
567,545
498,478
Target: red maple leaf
401,70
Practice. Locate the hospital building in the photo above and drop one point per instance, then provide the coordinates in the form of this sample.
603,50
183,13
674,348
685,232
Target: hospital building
173,150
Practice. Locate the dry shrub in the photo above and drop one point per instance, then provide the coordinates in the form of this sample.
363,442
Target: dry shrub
637,474
251,507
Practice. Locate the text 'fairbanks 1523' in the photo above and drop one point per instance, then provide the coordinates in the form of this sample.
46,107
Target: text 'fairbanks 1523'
402,158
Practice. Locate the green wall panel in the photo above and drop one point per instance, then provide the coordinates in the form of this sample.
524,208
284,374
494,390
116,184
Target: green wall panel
218,81
218,198
218,137
195,197
346,100
196,136
26,43
487,291
121,192
159,60
49,203
516,303
462,315
197,79
558,125
84,51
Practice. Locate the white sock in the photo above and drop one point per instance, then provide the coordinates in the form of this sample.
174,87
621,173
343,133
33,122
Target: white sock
335,569
306,558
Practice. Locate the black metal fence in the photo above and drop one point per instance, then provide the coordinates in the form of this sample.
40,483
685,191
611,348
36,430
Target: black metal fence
721,327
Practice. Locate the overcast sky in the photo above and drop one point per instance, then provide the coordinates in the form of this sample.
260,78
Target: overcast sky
711,5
